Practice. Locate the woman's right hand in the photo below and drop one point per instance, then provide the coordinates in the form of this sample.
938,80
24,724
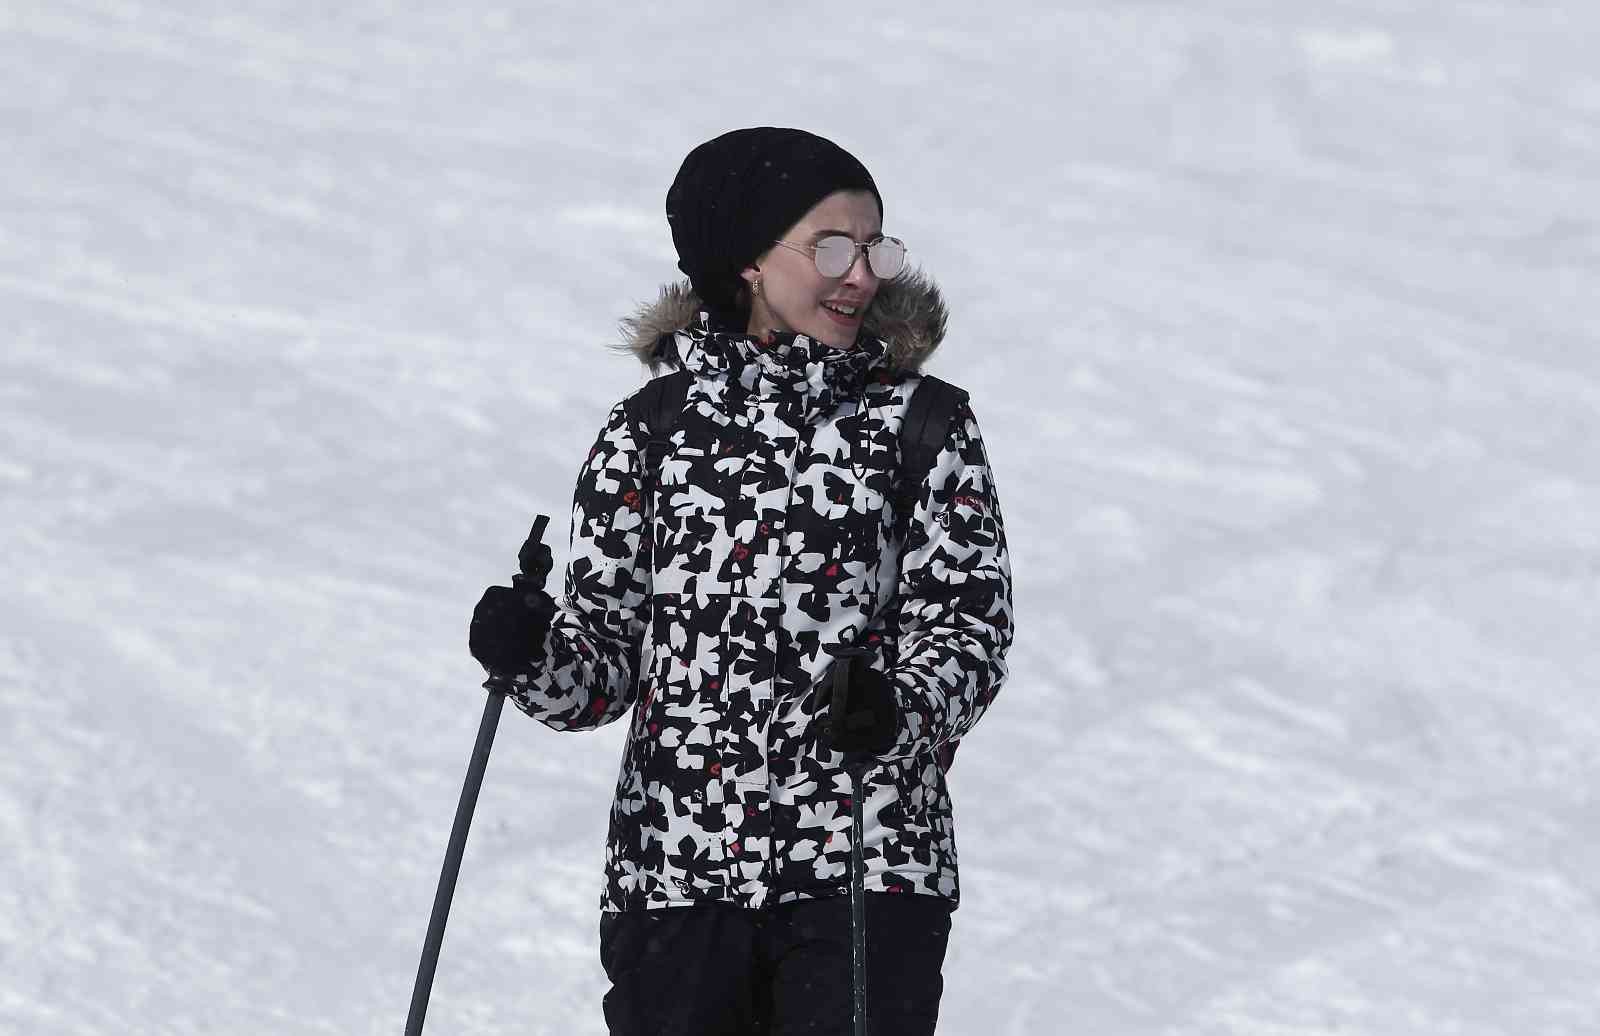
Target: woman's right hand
509,626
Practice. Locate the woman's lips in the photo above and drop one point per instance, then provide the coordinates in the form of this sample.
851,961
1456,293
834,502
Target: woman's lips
840,318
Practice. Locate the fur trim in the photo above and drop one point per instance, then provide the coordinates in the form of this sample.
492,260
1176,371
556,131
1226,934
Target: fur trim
908,313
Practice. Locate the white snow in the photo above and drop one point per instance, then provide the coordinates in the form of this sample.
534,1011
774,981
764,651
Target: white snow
1281,323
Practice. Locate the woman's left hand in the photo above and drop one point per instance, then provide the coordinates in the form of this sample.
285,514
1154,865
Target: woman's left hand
872,715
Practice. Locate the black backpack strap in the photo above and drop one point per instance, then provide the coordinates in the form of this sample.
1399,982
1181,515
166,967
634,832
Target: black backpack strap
933,406
654,409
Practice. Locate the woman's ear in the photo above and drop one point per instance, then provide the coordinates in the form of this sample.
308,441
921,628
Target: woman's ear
751,274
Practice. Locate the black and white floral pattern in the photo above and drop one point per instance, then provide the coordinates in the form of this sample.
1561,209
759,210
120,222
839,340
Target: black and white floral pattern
704,625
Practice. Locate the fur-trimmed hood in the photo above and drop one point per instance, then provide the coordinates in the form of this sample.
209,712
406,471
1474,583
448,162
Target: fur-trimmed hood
908,314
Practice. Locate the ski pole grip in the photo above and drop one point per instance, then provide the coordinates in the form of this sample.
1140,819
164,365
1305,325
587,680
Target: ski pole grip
530,578
533,571
845,658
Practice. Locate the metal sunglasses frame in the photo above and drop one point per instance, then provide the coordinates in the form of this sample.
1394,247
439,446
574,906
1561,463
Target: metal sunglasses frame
862,248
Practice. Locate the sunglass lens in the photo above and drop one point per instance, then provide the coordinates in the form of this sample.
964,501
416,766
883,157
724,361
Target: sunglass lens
834,255
887,256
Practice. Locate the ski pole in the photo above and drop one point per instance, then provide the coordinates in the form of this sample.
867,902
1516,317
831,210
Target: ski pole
858,907
845,659
498,687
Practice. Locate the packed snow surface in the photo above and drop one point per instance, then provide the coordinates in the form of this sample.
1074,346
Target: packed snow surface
1281,322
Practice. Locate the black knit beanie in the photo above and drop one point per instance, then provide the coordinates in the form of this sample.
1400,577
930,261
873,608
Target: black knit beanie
736,194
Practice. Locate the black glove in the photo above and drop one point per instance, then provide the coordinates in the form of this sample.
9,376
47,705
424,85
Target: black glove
871,717
510,622
509,626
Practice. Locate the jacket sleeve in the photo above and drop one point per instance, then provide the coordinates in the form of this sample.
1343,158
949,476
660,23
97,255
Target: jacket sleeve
586,675
954,616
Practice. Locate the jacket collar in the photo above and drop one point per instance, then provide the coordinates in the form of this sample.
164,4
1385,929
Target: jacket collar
907,316
789,364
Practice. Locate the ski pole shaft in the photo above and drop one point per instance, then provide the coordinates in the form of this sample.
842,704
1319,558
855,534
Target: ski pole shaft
858,908
498,687
846,658
452,861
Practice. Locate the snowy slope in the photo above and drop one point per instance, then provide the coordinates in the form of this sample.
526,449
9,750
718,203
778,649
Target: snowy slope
1279,319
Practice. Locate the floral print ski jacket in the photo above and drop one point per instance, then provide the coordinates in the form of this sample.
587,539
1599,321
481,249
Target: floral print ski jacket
701,615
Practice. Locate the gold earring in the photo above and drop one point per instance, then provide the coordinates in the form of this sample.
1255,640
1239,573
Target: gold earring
755,286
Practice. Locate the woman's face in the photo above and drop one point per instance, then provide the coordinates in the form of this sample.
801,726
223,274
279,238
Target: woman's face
795,297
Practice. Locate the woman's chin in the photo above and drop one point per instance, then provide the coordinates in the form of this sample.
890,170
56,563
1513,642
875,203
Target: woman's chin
833,336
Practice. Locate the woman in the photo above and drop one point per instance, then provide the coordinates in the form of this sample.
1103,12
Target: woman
703,591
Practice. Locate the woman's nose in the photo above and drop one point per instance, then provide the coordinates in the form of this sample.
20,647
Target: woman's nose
860,274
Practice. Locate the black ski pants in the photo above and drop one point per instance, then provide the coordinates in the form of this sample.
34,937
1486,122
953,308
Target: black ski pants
721,970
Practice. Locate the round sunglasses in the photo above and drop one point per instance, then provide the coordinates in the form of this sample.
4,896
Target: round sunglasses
836,254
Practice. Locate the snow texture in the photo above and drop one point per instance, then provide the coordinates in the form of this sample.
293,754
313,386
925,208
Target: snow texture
1282,319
